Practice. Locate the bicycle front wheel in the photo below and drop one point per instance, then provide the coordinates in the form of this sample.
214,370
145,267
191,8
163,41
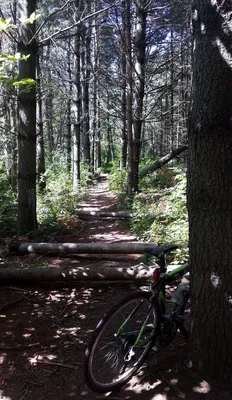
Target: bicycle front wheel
121,342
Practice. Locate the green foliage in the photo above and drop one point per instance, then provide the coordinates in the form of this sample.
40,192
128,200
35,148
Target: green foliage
8,204
6,25
161,178
117,179
59,200
162,218
33,17
28,82
7,61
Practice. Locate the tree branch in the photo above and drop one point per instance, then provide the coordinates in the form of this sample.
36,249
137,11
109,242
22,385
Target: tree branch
162,161
48,38
47,18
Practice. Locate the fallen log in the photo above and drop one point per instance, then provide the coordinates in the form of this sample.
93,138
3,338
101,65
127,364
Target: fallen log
139,272
72,248
162,161
104,214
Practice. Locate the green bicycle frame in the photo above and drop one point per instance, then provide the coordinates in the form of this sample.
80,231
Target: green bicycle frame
170,275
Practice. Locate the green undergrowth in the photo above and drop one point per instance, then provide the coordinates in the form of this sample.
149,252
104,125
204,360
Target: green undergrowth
8,206
159,210
59,202
55,206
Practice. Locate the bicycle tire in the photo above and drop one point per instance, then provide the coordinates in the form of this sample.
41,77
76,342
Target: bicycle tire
103,373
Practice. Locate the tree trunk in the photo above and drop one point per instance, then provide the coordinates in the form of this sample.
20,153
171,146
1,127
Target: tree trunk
27,122
40,145
49,108
173,142
110,144
69,110
129,86
98,133
77,113
85,69
123,68
209,189
139,50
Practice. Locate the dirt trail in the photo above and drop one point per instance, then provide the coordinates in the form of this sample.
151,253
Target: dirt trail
44,332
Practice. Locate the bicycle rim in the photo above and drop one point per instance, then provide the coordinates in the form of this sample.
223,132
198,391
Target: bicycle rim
121,342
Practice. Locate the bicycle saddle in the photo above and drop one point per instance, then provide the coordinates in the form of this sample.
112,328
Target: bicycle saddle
159,251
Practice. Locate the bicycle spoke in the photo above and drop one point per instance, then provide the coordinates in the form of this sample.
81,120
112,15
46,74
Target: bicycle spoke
123,341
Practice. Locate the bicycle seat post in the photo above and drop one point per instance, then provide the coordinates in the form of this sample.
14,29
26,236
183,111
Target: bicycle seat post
162,263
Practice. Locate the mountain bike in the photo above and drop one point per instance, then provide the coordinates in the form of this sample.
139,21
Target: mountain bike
142,321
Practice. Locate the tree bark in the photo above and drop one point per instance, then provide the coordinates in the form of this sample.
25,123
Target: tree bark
123,88
27,122
139,50
77,113
209,189
129,88
40,144
49,107
85,69
69,110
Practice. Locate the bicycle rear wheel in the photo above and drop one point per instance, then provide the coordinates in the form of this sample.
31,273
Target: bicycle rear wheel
121,342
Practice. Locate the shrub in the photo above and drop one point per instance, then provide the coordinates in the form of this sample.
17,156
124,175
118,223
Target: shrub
162,220
59,199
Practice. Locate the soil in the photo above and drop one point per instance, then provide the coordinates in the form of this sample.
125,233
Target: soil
44,330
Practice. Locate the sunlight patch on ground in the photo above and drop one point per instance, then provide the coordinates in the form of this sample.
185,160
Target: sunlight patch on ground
113,236
173,381
159,397
4,397
138,386
41,357
203,388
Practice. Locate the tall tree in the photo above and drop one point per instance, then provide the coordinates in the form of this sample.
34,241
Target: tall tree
77,111
85,69
129,97
139,67
209,188
27,119
40,125
123,88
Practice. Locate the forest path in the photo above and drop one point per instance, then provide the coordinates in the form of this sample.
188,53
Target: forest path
44,333
103,229
96,229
